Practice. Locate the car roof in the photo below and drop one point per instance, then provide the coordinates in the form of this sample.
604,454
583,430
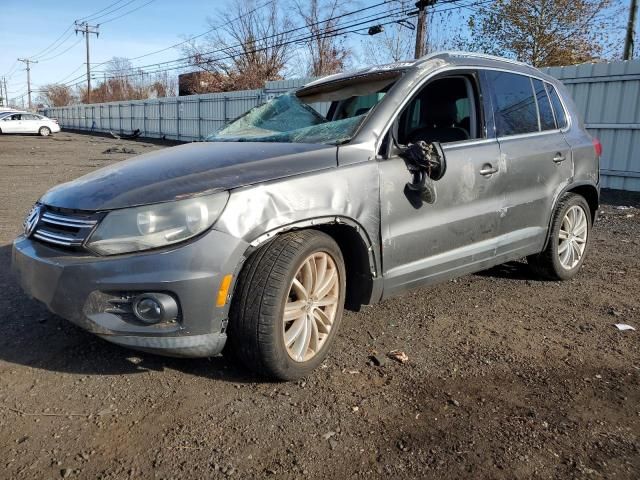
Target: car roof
447,58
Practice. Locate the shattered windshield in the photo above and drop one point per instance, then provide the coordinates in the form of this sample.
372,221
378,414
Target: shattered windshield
326,113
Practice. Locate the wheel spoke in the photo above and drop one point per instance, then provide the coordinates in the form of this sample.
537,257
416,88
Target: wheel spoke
302,343
293,310
327,301
569,219
322,321
563,246
314,340
322,273
564,258
291,335
331,279
563,234
299,289
577,251
307,275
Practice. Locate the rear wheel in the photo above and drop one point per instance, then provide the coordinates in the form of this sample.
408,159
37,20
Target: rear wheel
568,240
44,131
288,305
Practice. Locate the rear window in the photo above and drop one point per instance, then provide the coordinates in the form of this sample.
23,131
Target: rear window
558,109
514,103
547,122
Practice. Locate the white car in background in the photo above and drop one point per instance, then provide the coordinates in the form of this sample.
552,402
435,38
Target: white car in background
25,122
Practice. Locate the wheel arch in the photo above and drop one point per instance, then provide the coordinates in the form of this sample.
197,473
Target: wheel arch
589,191
357,250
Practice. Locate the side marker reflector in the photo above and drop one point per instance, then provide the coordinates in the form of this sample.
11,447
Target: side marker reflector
224,290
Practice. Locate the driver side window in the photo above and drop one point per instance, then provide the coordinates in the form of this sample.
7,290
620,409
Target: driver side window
444,111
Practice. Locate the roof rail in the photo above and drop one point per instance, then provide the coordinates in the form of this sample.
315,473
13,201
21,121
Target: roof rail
459,53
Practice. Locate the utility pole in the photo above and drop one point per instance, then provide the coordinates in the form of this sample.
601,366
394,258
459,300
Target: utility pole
422,25
86,30
28,63
631,31
6,92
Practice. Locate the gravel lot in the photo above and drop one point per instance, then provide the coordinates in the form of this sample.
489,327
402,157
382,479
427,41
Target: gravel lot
508,377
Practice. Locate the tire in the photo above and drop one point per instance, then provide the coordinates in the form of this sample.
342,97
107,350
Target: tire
44,131
266,285
549,263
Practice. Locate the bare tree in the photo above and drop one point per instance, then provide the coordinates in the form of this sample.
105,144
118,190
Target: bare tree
122,81
544,32
57,95
252,46
327,50
162,85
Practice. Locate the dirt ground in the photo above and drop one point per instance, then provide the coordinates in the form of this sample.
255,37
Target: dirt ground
508,377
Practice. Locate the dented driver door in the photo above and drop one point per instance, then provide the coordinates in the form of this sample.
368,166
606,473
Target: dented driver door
457,232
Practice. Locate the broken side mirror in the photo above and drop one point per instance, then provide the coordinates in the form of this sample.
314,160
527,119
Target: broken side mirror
426,163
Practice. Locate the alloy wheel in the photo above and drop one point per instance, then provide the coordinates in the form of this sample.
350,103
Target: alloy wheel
311,306
572,237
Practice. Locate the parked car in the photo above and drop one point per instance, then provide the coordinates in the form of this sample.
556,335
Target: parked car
256,240
24,122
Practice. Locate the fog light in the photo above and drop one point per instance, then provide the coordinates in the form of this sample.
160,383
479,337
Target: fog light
155,308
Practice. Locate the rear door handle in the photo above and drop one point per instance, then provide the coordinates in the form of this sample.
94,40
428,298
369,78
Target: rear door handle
488,169
559,158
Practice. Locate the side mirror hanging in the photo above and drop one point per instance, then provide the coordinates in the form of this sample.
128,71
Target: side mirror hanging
424,161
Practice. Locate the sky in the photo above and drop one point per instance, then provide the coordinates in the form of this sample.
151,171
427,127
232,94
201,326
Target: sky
29,26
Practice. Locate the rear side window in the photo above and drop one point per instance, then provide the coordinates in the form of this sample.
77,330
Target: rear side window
558,109
547,121
514,103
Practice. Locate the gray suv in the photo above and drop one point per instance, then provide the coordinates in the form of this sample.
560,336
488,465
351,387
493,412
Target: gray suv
351,189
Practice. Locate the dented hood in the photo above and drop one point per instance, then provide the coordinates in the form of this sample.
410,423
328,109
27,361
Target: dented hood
187,170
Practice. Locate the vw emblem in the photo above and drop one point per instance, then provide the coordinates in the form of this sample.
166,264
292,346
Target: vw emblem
32,220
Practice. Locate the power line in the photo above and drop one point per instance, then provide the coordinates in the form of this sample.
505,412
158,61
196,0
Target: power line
61,53
88,17
194,36
55,42
11,69
127,13
336,32
269,37
59,41
184,62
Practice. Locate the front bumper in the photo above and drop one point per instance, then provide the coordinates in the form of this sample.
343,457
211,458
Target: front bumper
69,283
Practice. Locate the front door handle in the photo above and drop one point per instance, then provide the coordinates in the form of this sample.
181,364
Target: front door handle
559,158
488,169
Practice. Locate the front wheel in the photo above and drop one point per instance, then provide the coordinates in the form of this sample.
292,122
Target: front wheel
568,240
288,305
44,131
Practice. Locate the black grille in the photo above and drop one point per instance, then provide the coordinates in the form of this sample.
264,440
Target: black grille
63,228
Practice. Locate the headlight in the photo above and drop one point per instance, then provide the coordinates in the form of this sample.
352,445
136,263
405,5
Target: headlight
153,226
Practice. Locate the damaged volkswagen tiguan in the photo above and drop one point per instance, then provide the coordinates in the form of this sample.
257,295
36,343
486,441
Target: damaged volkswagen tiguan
353,188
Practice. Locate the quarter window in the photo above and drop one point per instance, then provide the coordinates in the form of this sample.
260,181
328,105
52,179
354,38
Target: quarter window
514,103
547,121
558,109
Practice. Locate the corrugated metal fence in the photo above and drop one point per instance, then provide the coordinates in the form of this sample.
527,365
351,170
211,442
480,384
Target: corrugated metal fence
607,95
186,118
